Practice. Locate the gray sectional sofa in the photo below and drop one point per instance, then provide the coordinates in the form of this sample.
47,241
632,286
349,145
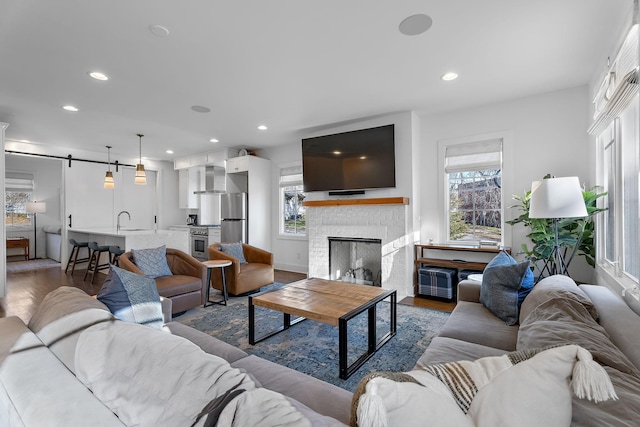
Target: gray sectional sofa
556,312
44,381
73,365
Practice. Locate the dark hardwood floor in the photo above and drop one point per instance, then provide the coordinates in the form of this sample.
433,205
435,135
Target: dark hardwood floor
26,289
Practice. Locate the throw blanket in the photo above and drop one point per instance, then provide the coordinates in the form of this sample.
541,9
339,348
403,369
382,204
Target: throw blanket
149,377
564,319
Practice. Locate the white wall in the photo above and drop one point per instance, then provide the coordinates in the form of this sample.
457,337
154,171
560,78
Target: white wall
292,253
47,175
548,133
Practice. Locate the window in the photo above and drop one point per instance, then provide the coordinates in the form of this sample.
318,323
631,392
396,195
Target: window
292,216
474,184
18,192
621,174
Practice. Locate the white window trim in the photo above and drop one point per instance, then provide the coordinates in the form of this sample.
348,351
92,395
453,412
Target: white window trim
281,234
26,175
507,179
611,272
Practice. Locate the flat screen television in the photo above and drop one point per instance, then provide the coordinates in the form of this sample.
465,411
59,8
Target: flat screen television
357,160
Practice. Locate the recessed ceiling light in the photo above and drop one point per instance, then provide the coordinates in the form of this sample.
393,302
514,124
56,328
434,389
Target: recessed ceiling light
213,140
70,108
99,76
262,127
363,158
159,30
449,76
169,151
26,141
415,24
200,109
337,153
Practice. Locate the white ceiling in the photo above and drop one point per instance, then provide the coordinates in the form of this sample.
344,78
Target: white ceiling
293,65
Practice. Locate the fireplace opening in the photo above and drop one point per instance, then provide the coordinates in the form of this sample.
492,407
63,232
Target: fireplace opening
355,260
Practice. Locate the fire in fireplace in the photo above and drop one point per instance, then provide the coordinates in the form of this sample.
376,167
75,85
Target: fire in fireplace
355,260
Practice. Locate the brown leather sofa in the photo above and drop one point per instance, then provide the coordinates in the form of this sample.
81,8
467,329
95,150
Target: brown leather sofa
243,278
186,288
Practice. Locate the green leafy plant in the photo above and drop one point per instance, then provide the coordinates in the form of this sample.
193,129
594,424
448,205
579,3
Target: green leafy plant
575,235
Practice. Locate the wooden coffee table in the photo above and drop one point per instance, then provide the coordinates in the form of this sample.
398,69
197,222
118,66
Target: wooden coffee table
329,302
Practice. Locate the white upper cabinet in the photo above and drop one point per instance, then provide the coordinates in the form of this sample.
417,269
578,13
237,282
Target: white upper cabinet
238,164
189,180
216,158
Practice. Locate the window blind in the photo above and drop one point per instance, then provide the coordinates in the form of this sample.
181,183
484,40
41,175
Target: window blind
474,156
291,176
18,181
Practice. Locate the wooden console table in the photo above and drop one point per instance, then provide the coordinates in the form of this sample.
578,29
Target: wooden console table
454,257
19,242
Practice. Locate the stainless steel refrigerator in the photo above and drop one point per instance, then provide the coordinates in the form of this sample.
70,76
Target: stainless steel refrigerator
233,213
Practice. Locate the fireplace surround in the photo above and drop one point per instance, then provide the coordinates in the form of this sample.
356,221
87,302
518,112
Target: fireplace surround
364,219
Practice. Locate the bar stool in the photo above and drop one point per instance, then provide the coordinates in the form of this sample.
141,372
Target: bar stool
114,253
94,260
75,250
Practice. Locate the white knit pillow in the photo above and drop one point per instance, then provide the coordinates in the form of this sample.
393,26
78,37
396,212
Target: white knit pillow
525,389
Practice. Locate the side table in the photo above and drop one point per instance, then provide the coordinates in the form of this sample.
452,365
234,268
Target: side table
19,242
211,264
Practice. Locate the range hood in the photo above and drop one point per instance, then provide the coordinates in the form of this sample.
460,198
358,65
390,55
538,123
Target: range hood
215,180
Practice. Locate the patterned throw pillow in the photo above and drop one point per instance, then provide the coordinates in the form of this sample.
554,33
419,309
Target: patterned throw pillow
132,297
235,250
152,262
486,392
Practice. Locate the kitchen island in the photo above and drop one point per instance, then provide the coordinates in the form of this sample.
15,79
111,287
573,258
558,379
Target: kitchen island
133,238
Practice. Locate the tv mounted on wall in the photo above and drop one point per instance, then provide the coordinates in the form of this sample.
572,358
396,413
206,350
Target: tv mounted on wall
357,160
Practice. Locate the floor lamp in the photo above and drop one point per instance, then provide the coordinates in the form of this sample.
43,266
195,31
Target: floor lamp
556,198
35,208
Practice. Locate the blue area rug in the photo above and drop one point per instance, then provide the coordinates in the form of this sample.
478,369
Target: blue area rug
312,347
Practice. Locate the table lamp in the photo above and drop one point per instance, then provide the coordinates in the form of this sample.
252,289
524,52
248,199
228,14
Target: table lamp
556,198
35,208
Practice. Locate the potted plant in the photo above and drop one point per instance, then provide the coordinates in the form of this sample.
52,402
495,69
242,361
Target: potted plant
575,235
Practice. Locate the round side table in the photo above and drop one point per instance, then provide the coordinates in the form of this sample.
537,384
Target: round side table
211,264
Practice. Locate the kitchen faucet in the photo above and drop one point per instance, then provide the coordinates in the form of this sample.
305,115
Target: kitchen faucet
118,226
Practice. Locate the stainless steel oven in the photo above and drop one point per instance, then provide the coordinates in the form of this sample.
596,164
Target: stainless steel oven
199,239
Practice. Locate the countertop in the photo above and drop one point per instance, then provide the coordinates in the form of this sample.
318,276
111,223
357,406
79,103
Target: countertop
124,231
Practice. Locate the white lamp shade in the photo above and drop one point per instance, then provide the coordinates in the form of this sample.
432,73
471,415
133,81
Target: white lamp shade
36,207
557,198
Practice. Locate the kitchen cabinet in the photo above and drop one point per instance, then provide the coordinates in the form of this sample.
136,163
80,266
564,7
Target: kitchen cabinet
189,180
216,158
253,176
182,163
238,164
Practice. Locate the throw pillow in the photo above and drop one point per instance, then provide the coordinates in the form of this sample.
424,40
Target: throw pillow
132,297
503,258
234,250
521,388
152,262
499,290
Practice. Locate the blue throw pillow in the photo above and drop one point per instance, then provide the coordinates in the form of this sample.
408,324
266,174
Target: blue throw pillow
235,250
132,297
499,290
503,258
152,262
496,292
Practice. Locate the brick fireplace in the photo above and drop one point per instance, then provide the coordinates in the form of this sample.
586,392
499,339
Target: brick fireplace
387,221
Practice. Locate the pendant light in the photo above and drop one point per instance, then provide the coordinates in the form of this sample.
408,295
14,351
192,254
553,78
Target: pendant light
108,177
141,176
